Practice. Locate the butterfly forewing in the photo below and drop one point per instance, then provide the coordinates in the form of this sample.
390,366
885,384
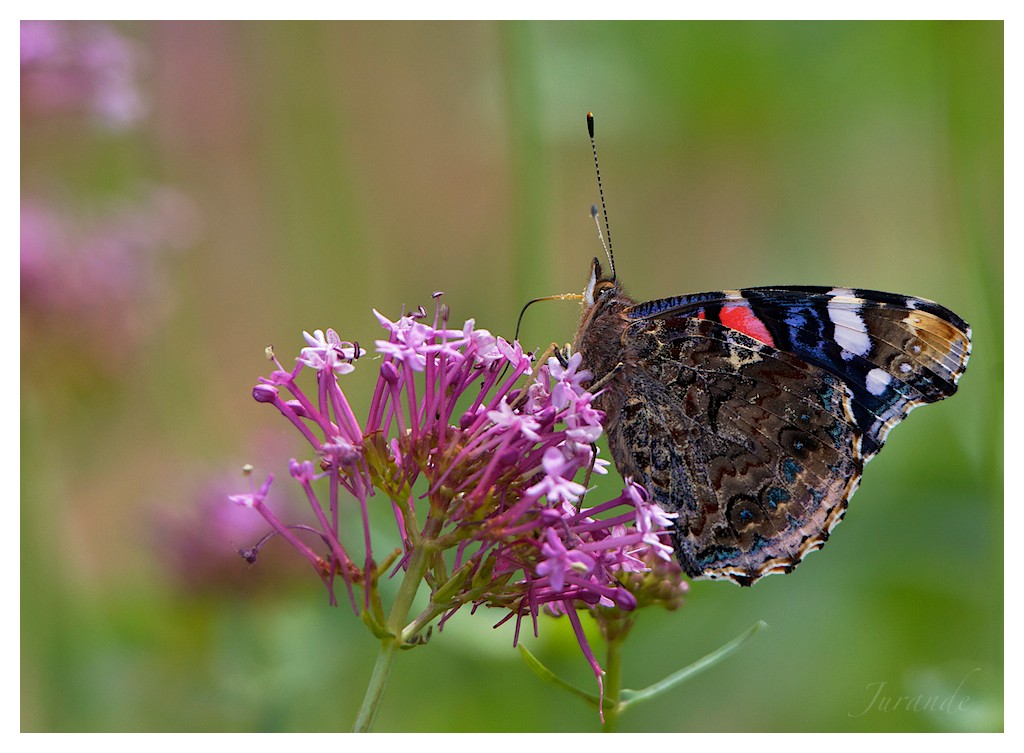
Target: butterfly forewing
894,352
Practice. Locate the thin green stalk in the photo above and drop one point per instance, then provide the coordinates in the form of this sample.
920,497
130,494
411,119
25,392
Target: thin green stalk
612,684
630,697
378,682
389,646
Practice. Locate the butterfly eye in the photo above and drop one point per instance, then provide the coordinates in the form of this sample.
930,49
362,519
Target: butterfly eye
603,288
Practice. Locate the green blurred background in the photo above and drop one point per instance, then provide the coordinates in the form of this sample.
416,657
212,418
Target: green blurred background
336,167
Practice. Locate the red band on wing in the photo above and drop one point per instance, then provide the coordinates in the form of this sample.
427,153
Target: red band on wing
742,319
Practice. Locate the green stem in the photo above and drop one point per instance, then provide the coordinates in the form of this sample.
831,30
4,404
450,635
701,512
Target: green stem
612,684
418,563
375,690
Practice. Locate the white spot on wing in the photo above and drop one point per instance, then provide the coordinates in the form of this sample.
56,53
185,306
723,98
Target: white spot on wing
877,380
851,332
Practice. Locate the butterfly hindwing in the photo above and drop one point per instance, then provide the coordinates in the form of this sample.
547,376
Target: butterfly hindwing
750,445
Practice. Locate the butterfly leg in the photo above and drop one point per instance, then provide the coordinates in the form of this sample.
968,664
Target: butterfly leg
586,478
562,354
595,386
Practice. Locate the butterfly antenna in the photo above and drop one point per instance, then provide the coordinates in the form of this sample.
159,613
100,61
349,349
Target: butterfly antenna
600,235
600,191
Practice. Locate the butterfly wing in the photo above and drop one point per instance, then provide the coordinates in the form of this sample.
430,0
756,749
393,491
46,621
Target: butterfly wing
752,412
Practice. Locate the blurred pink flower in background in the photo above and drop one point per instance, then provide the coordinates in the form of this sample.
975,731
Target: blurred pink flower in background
80,67
92,270
100,276
198,538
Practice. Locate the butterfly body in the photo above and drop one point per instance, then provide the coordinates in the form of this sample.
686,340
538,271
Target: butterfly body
751,413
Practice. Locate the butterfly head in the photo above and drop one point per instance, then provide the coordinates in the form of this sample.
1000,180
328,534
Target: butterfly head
599,286
599,334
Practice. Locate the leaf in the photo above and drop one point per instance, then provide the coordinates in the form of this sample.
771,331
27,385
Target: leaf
629,697
546,674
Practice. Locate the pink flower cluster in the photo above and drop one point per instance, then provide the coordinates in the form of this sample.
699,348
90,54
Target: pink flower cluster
474,462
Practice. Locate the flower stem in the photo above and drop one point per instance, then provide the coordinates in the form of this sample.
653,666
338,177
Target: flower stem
389,646
375,690
612,683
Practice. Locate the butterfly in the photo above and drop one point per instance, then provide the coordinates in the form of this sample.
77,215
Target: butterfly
752,412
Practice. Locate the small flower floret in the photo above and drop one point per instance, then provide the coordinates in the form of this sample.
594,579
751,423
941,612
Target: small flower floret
328,351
